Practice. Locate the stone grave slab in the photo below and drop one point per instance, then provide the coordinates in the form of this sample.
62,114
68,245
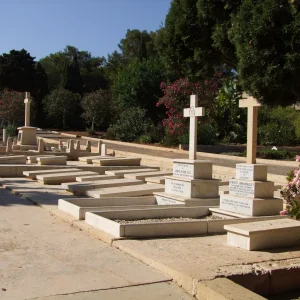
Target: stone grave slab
33,159
167,199
54,160
192,188
128,171
155,179
13,159
96,178
89,159
58,178
127,191
133,161
264,234
254,172
252,189
104,220
251,206
77,207
142,176
33,174
80,188
192,169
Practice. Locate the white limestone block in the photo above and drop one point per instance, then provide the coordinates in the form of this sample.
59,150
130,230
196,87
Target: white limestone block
253,189
264,234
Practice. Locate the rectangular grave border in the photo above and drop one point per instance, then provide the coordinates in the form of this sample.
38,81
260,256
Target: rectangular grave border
100,220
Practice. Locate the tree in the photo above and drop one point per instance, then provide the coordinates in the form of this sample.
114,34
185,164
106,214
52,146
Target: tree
138,85
40,91
137,44
61,105
91,68
71,78
17,71
96,107
266,35
190,43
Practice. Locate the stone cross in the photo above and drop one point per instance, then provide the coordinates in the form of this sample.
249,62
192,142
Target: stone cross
252,104
27,102
193,113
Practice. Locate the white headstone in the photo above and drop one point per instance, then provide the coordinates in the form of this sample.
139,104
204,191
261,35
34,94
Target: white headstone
193,113
9,145
41,146
103,150
88,146
99,147
4,135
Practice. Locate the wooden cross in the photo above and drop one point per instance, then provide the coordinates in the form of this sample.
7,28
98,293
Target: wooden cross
252,104
193,112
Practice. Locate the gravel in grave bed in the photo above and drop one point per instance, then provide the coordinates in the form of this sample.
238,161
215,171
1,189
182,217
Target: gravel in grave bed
166,220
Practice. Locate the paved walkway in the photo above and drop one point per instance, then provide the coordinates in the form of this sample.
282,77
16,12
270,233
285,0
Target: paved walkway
41,257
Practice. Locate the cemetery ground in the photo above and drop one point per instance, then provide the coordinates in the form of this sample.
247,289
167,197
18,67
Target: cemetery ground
45,252
42,257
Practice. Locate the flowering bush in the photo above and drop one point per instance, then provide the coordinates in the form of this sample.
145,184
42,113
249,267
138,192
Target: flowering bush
177,97
11,107
291,192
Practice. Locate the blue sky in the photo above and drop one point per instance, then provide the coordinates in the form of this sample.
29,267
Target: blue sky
47,26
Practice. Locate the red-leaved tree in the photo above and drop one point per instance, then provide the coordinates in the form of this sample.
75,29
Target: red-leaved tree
11,107
177,97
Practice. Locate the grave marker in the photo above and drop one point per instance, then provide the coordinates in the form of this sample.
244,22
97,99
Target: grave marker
252,105
193,113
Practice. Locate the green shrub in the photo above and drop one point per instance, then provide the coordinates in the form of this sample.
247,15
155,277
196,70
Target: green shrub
11,130
131,124
277,126
90,131
145,139
275,154
207,134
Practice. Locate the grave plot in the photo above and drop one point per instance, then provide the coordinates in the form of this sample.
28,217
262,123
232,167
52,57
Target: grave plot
250,194
96,178
77,207
33,174
156,179
121,173
143,175
33,159
134,161
89,159
159,222
13,159
126,191
192,183
80,188
58,178
52,160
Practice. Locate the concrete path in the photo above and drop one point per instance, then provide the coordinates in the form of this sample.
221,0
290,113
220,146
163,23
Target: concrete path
41,256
